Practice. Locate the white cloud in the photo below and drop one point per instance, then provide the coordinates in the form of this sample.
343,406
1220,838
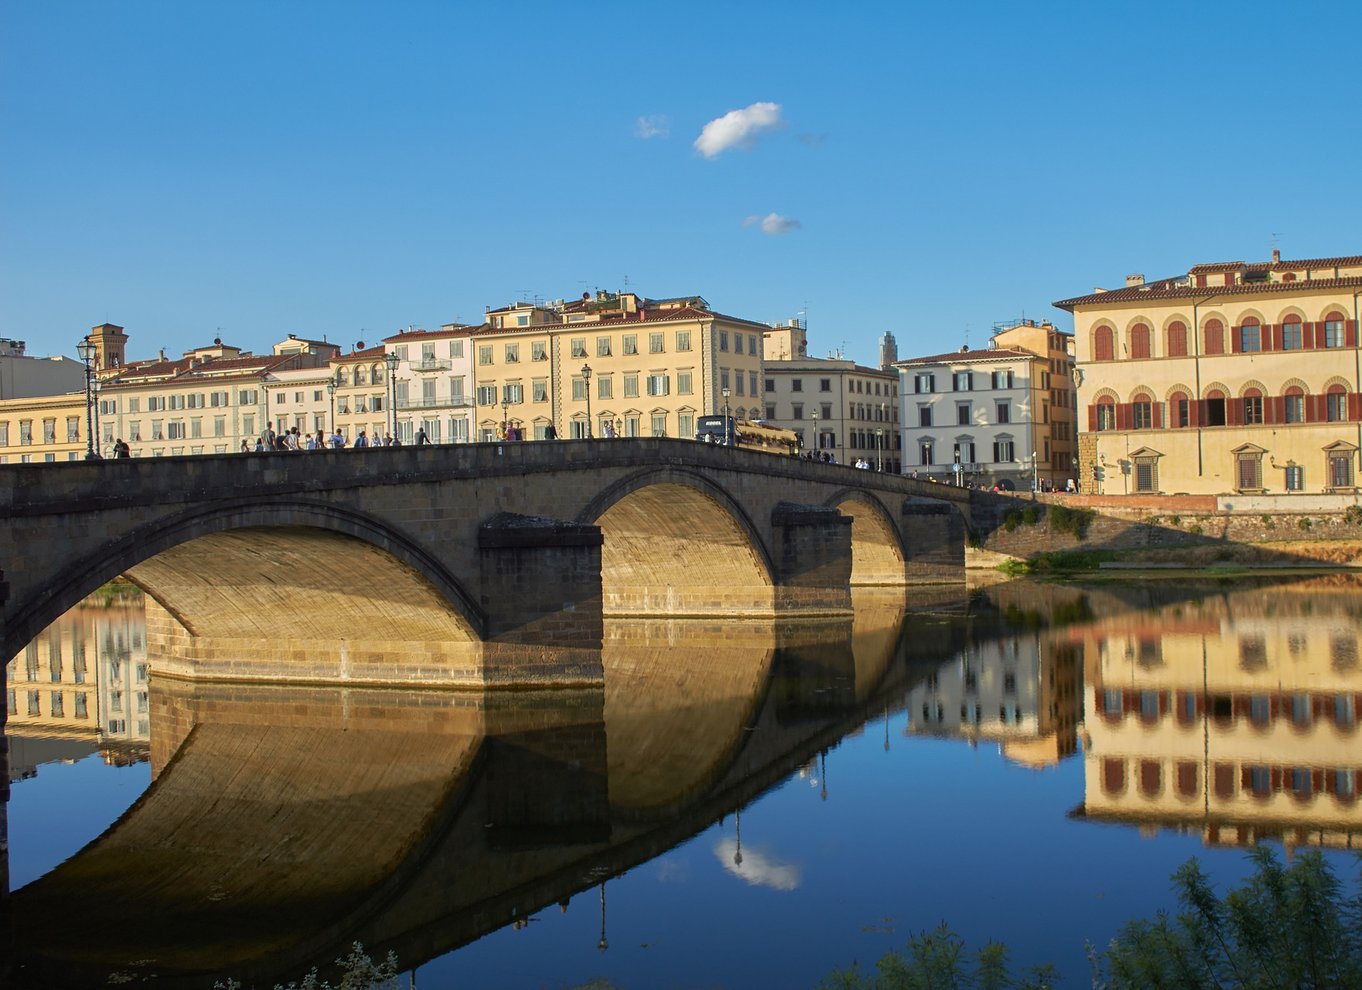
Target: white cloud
756,867
737,128
773,224
653,125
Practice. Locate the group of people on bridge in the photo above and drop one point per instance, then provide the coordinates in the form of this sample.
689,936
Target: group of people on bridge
293,440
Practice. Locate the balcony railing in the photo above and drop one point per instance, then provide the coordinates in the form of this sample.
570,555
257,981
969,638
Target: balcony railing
430,364
421,402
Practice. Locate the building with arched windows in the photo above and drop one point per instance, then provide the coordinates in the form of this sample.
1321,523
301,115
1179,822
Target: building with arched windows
1236,377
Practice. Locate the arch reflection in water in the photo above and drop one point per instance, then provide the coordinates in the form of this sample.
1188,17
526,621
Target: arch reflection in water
285,822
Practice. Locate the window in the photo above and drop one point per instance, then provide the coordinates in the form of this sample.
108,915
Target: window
737,343
1215,408
1142,413
658,424
455,351
752,382
923,384
751,343
925,452
655,347
605,386
1106,414
1002,451
659,385
1292,339
1295,478
484,354
602,346
796,384
512,393
1340,470
1293,406
1004,413
797,410
1333,331
1002,379
1249,471
1253,407
1139,341
1177,339
825,384
578,348
1180,407
683,384
963,381
1336,404
683,340
539,350
631,386
962,414
512,353
1213,337
487,395
1104,344
1250,336
924,415
1146,473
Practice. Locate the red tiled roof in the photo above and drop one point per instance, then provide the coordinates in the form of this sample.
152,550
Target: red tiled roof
613,320
1218,266
368,354
403,336
1182,288
1348,262
160,372
981,354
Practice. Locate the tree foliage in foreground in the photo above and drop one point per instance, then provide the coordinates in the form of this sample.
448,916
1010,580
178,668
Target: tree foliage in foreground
1286,928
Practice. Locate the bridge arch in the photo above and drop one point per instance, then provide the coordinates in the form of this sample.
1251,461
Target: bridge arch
187,564
878,556
660,523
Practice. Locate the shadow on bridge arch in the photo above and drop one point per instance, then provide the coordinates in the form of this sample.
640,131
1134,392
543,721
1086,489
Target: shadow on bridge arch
878,557
294,570
677,544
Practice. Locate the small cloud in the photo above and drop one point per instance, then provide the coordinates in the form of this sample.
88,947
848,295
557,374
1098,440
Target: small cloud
773,224
737,128
756,867
653,125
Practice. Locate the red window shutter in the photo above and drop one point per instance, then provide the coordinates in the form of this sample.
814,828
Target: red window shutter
1196,412
1123,416
1245,777
1092,419
1158,415
1201,281
1235,339
1308,336
1354,406
1278,407
1350,333
1234,412
1272,337
1315,409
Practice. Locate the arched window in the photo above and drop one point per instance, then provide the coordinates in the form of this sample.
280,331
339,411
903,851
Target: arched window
1292,339
1333,330
1289,277
1151,778
1103,344
341,377
1139,341
376,374
1215,408
359,374
1142,412
1293,405
1336,404
1113,775
1213,337
1177,339
1106,413
1179,409
1250,335
1253,407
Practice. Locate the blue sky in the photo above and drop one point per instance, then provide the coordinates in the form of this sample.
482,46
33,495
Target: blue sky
347,169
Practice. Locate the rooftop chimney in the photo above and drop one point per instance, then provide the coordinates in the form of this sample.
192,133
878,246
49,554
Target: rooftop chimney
1133,280
1276,255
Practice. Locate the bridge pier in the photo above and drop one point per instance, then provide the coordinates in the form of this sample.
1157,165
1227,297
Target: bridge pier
812,547
934,535
541,595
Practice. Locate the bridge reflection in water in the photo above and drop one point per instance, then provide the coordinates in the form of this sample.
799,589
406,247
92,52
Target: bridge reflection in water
285,822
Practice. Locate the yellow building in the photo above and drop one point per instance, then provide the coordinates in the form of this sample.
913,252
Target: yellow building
43,429
613,364
1236,377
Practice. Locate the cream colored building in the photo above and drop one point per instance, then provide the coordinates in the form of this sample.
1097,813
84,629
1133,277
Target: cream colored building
43,429
1001,414
1236,377
837,406
433,383
613,363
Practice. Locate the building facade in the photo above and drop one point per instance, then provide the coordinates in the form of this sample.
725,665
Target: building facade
1002,415
431,386
1236,377
837,406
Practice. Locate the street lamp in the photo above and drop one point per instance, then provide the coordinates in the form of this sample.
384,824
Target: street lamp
390,359
879,449
728,423
586,377
331,394
505,423
86,350
817,440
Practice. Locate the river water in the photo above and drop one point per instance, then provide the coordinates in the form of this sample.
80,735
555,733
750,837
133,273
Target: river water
742,805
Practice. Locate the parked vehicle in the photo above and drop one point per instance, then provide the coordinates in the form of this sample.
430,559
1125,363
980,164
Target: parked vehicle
747,434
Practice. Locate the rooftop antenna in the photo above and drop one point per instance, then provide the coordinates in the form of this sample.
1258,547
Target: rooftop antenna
626,281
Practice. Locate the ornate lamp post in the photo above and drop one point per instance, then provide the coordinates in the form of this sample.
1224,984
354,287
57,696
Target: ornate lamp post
817,440
86,350
331,394
879,449
505,423
728,423
586,376
390,360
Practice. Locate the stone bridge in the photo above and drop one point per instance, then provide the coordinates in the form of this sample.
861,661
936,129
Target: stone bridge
468,565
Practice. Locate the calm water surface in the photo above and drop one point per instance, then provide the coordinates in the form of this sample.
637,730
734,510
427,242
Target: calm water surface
743,805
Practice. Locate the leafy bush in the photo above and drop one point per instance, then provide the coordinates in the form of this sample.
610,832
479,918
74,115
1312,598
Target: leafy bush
1305,523
1065,519
1030,515
1012,520
1352,515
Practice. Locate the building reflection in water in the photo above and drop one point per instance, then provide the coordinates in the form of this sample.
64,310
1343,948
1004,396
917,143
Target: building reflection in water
1233,715
81,687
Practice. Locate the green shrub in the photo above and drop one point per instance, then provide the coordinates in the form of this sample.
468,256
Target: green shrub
1012,520
1195,529
1305,523
1064,519
1030,515
1352,515
1175,520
